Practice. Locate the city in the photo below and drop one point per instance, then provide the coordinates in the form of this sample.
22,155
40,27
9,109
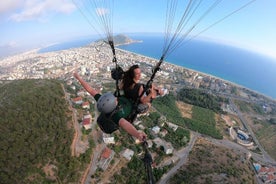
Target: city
94,63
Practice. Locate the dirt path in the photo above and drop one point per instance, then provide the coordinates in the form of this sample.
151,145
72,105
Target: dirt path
76,134
74,122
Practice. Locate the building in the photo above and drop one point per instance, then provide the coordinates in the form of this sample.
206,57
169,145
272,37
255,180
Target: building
150,143
168,148
155,129
108,139
106,157
163,133
172,126
86,105
77,100
86,121
128,154
158,142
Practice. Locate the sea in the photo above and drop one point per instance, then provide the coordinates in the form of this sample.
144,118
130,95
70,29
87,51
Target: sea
242,67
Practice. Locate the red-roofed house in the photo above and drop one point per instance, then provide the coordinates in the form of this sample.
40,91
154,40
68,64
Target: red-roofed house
86,105
270,178
272,170
106,157
263,170
267,174
106,153
77,100
86,123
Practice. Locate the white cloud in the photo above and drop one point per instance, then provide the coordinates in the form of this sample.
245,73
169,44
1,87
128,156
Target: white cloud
10,6
11,44
40,9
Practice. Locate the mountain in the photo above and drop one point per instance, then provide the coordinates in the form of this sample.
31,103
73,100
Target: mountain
121,39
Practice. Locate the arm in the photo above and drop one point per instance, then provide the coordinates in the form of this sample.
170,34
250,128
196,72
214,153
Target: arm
159,91
86,86
145,99
129,128
153,93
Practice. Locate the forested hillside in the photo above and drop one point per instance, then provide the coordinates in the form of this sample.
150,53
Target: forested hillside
35,135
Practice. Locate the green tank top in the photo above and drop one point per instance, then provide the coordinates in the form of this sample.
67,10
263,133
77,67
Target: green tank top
125,109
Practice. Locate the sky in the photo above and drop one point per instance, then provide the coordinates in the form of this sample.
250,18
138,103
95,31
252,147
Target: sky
29,24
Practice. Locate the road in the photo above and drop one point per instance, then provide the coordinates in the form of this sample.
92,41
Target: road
91,169
267,158
183,155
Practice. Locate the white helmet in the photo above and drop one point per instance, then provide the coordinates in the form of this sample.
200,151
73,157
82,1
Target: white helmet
107,103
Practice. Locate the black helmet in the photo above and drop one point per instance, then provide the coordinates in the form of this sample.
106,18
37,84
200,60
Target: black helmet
117,73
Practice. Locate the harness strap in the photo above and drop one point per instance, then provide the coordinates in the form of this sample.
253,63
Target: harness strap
118,69
148,161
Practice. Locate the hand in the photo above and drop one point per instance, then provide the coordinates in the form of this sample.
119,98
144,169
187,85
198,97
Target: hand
160,92
142,136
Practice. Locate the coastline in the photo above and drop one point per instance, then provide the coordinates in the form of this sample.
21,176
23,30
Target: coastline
242,67
154,61
202,73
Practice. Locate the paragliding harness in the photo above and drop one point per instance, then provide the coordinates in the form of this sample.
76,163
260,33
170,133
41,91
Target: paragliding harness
106,123
117,72
136,109
148,161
